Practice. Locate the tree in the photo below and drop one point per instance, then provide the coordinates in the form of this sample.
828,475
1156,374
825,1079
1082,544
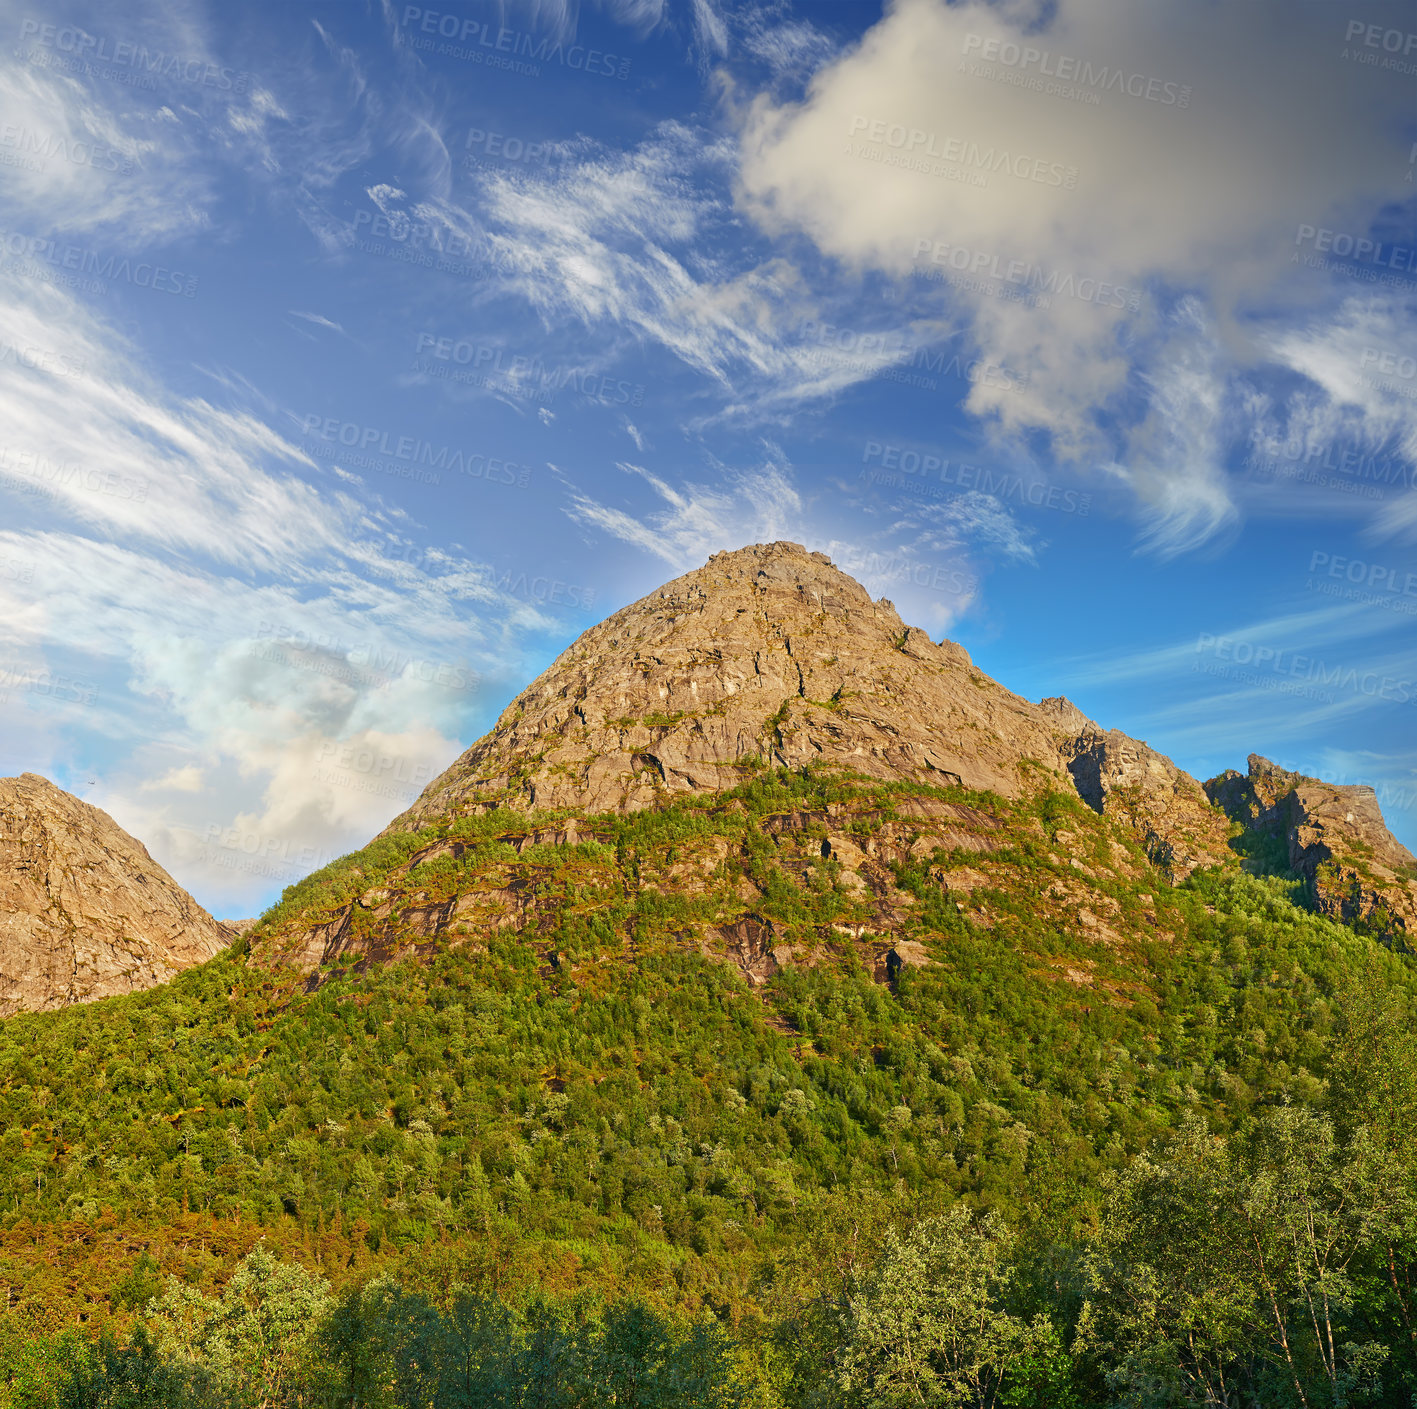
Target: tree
135,1376
257,1339
1311,1207
1171,1306
928,1325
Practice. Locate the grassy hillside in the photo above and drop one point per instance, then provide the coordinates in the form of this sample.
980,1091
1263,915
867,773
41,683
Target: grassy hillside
614,1092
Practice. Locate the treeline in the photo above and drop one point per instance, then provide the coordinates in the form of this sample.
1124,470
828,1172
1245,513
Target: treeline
1277,1267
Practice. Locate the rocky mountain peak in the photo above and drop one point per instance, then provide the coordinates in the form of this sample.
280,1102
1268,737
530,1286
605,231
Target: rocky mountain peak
771,655
767,655
85,912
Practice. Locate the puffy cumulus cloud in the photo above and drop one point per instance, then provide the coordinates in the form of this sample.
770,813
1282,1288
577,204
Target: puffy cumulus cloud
1111,162
214,620
302,713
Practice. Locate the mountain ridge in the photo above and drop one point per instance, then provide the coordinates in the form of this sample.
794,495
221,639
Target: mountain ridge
768,657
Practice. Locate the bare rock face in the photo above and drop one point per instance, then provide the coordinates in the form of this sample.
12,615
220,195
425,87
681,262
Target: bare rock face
1336,838
85,912
768,654
1121,777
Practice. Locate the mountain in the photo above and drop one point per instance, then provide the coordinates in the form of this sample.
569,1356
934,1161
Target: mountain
771,655
1334,836
759,923
765,657
85,912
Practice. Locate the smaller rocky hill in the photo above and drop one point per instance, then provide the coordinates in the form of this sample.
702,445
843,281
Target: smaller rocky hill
1333,836
85,912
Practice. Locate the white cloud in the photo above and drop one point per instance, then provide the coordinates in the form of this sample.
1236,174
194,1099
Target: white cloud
755,506
1151,196
188,778
318,319
107,447
636,242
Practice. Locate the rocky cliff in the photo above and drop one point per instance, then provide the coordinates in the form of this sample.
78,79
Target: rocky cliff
85,912
772,655
1123,778
1332,835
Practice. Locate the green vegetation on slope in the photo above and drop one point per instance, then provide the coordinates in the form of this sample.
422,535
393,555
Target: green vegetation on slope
596,1103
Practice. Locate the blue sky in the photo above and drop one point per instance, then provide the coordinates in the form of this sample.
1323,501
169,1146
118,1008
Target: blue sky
355,357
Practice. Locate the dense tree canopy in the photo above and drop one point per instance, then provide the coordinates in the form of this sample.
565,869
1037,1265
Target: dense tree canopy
1160,1156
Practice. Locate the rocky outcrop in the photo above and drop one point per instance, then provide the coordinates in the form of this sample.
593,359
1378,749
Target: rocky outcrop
1124,778
770,655
85,912
1334,836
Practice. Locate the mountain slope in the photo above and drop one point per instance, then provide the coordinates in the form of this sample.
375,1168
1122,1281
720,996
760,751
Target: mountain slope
85,912
663,1050
790,978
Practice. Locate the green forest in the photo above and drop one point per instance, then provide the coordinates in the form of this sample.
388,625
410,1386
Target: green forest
1164,1157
